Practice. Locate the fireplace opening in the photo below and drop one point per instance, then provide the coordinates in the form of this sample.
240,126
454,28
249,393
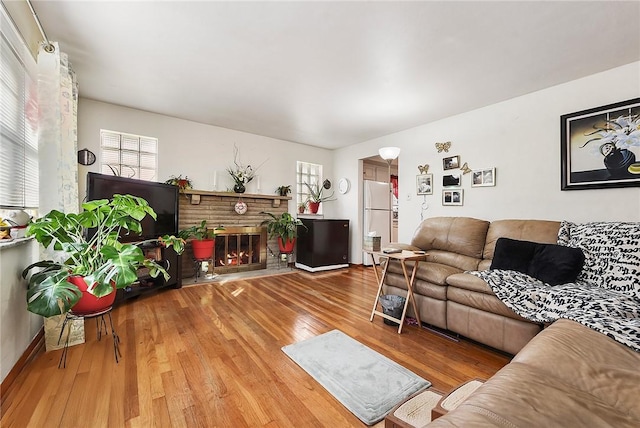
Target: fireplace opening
240,248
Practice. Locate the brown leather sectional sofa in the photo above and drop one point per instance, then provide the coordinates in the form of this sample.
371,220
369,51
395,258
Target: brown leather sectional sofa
566,376
448,298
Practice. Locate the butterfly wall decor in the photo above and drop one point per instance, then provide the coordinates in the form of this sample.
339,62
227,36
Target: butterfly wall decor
423,168
443,147
465,168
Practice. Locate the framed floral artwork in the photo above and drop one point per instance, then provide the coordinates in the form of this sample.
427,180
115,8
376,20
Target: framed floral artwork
424,184
600,147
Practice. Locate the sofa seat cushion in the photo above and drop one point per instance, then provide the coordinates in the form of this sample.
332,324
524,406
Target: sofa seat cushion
435,273
421,287
612,313
567,376
469,282
482,301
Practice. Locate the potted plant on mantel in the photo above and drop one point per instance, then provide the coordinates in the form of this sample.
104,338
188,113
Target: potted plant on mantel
202,239
315,197
284,190
285,228
96,262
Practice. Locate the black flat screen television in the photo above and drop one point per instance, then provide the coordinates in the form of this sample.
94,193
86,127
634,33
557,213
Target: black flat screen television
163,198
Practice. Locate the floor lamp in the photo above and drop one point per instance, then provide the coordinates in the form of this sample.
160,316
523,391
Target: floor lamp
389,154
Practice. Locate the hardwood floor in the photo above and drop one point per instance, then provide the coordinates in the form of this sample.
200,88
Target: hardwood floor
209,356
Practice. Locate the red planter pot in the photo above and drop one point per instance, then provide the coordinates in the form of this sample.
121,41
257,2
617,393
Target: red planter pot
88,303
286,247
313,207
202,249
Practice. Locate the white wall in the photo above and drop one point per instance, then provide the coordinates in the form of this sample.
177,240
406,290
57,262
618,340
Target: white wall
197,150
18,327
521,138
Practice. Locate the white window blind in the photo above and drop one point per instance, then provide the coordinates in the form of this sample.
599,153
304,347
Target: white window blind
310,173
128,155
18,120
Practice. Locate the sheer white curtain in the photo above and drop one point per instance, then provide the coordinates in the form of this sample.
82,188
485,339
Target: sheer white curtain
57,153
57,132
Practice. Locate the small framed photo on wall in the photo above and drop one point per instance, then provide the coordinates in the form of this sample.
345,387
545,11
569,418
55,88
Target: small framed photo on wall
451,162
424,184
483,177
453,180
452,197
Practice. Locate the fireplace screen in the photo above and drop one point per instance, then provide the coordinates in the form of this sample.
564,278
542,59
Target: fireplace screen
240,248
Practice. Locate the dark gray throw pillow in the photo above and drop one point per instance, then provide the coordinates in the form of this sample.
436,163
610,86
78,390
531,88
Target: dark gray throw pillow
511,254
556,264
550,263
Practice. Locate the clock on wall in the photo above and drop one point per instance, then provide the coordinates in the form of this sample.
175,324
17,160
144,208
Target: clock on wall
344,185
240,207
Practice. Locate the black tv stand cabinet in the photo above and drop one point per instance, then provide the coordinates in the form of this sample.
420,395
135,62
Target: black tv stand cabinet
168,259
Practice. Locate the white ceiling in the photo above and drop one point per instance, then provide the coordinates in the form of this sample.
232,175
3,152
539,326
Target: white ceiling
332,74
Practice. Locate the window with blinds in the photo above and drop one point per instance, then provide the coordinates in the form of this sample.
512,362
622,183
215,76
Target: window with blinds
18,120
310,173
128,155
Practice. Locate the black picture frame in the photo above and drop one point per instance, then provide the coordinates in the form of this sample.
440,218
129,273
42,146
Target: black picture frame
590,158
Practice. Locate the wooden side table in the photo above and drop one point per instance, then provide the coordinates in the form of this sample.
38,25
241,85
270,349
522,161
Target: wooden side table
403,257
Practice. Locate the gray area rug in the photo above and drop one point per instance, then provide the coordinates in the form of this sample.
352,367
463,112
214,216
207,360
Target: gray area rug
364,381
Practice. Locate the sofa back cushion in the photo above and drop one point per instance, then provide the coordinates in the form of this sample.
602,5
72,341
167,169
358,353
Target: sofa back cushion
611,250
542,231
461,235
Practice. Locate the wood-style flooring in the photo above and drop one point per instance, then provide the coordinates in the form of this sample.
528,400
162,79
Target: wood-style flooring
209,355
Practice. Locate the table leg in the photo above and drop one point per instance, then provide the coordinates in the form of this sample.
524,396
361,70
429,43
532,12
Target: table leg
413,297
380,280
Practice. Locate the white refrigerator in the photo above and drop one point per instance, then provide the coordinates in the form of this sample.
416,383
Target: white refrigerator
377,213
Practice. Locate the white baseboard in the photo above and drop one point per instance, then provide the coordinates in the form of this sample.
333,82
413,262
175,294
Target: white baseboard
320,268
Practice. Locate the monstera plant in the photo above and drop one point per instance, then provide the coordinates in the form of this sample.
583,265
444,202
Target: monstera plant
95,261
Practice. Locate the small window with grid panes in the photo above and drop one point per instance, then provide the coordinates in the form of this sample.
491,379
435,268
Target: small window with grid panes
311,174
129,155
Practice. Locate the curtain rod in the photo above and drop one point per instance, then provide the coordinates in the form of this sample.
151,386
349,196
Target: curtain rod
48,46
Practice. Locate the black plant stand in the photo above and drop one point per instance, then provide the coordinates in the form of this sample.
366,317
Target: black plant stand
101,326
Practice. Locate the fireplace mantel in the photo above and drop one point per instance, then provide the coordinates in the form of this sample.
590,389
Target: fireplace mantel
195,196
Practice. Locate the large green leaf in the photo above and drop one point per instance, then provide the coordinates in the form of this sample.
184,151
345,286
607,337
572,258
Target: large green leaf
53,295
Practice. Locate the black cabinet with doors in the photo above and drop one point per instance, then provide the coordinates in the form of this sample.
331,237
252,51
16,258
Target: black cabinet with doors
323,245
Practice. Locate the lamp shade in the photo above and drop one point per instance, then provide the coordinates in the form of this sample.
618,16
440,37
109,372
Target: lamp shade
389,153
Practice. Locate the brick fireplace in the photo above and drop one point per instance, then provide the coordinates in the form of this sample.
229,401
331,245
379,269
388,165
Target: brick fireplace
243,245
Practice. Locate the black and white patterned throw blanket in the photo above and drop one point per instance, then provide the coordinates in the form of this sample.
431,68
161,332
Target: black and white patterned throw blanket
606,295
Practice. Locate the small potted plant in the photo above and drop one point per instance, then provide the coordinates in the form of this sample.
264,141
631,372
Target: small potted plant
316,197
96,263
301,207
182,183
202,239
285,227
284,190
